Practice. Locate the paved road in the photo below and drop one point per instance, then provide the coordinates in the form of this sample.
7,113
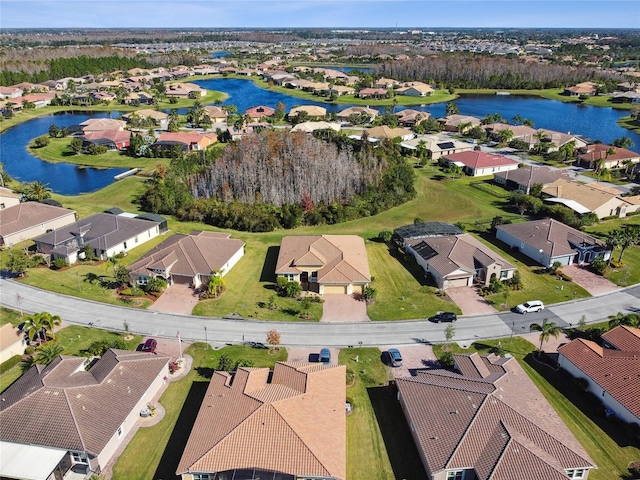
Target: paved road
18,296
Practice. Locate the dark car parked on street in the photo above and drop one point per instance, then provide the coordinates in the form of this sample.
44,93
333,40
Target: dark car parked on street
444,317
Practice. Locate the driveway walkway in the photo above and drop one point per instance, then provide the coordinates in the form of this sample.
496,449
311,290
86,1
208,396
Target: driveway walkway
340,308
592,283
469,301
176,298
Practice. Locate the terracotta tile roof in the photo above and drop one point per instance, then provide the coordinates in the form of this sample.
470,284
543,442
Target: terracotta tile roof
296,424
28,214
77,409
193,254
98,124
616,371
148,113
495,422
553,237
583,193
624,338
343,257
115,136
372,112
312,111
453,253
384,131
530,175
260,111
476,159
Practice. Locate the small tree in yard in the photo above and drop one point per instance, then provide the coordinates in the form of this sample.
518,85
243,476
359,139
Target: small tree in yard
76,145
17,262
156,285
385,236
225,364
121,275
273,339
369,293
449,333
305,304
42,141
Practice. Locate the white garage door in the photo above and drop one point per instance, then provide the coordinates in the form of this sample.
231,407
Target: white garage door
458,282
334,289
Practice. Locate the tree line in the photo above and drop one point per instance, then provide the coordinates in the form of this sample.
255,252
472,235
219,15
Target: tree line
462,70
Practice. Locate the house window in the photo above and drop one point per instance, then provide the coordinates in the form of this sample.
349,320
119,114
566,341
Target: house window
576,473
78,457
119,432
288,276
201,476
136,239
125,245
142,280
455,475
42,226
503,275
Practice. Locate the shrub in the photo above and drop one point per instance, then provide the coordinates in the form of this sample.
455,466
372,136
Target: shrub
446,359
634,469
42,141
120,255
291,290
369,293
29,350
59,263
134,291
156,285
12,362
225,364
96,149
599,266
37,260
385,236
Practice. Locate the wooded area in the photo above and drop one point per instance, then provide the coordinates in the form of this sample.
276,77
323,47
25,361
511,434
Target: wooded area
484,71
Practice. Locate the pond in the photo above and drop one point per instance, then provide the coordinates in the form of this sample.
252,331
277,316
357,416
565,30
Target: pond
594,122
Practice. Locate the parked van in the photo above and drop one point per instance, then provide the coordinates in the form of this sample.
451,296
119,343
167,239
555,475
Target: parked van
325,356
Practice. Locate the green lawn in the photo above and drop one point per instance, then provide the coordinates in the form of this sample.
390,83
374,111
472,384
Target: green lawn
629,123
367,457
162,445
10,316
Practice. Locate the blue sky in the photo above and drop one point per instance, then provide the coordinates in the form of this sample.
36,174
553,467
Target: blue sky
319,13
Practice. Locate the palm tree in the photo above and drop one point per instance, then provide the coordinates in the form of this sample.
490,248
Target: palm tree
630,320
547,329
464,126
517,119
540,136
629,236
35,191
568,150
613,241
623,142
505,136
47,353
40,324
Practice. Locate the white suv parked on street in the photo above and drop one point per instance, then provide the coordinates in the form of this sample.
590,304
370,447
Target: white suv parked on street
530,306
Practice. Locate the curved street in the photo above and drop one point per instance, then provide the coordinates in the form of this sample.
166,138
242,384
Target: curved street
18,296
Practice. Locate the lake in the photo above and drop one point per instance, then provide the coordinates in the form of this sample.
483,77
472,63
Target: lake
594,122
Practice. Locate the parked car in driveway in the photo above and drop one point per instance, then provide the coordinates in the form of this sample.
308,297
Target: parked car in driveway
325,356
444,317
395,359
149,346
530,306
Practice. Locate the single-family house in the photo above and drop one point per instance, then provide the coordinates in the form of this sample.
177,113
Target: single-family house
611,157
147,117
309,127
285,425
487,420
188,259
386,83
547,241
108,234
325,263
101,124
477,163
38,99
84,414
436,145
313,111
185,90
139,98
339,90
459,123
112,139
584,88
415,89
384,131
526,176
366,112
587,198
189,141
8,198
550,139
610,371
410,118
216,114
28,220
458,260
12,342
10,92
375,93
259,112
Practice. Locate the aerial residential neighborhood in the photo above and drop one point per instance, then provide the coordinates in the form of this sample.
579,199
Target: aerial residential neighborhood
319,252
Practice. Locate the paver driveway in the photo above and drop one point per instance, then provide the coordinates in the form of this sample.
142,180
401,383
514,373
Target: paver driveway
592,283
176,298
469,301
340,308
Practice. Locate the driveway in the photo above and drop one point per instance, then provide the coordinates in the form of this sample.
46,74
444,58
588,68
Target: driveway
177,298
592,283
340,308
310,354
469,301
414,357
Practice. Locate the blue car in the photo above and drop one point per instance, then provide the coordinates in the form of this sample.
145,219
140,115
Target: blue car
325,356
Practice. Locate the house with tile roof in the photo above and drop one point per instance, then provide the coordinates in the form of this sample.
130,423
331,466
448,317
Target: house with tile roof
459,260
371,113
588,198
488,421
216,114
28,220
454,122
188,259
523,178
101,124
289,425
376,93
325,263
611,371
547,241
82,416
112,139
313,111
384,131
188,141
159,119
12,342
415,89
613,157
108,234
437,145
259,112
478,164
410,118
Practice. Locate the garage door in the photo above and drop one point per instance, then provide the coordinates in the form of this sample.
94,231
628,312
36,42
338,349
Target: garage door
458,282
182,279
334,289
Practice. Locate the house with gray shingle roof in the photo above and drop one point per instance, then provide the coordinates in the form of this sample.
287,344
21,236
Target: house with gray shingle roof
28,220
611,371
325,263
547,241
458,260
108,234
488,421
188,259
287,425
67,416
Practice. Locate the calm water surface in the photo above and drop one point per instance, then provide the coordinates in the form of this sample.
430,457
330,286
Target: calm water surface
594,122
